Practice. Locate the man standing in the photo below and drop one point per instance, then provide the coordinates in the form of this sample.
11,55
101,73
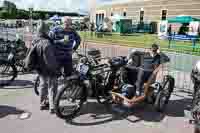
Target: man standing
42,59
66,40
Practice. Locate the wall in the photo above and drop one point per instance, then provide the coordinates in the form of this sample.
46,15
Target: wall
153,9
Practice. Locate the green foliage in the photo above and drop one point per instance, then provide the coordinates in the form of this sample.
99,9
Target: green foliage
10,11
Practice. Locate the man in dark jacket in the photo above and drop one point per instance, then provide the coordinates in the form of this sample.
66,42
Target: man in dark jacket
66,40
42,59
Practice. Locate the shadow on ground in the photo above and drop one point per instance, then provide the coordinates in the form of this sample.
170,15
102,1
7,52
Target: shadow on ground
98,114
175,108
101,114
8,110
19,84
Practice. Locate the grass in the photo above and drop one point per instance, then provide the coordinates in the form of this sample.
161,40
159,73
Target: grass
141,40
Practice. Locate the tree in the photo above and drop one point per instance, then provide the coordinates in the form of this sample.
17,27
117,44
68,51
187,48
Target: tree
10,8
47,16
36,15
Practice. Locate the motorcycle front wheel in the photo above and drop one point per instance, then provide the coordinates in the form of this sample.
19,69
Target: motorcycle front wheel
70,99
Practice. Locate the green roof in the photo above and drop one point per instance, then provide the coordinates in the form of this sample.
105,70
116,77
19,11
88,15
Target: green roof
182,19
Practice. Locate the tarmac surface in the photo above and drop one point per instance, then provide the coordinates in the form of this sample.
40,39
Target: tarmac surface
19,98
94,117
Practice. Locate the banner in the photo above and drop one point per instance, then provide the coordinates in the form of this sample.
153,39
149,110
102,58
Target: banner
193,28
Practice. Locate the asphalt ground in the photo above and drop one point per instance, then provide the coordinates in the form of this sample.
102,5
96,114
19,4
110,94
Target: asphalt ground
94,117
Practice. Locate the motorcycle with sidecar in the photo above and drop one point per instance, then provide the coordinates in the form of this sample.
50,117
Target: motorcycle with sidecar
158,94
105,80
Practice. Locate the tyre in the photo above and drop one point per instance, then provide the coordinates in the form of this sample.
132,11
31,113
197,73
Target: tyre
195,110
8,73
73,95
196,96
164,94
36,85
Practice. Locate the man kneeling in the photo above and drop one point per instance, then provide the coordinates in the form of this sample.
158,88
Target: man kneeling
146,73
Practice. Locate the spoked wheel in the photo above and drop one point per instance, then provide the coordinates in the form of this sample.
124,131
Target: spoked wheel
69,100
196,96
195,111
8,73
164,94
196,93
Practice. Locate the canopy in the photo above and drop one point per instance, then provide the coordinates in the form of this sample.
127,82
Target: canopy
55,18
182,19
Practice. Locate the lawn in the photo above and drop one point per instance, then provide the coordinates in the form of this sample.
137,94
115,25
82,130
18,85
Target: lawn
141,40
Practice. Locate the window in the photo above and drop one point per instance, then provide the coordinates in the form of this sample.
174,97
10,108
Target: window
97,19
141,16
164,14
124,14
111,14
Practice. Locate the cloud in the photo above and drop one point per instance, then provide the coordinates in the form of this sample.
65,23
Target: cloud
56,5
62,5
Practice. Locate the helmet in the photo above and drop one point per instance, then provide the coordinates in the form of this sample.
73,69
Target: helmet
117,62
128,90
195,74
135,57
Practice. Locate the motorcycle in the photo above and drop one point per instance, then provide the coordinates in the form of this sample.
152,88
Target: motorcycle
195,108
89,80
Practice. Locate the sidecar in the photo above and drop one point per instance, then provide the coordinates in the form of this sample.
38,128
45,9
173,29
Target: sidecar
160,91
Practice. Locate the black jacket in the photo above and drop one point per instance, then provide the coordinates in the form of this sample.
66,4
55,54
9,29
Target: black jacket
42,58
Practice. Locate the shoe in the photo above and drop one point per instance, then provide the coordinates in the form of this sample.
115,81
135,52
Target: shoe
43,107
52,111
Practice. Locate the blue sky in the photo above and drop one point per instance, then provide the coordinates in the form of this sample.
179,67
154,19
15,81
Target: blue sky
59,5
67,5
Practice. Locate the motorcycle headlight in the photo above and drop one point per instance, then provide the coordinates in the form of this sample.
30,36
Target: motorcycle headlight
83,60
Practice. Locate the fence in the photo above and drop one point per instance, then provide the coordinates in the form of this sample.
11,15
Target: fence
179,67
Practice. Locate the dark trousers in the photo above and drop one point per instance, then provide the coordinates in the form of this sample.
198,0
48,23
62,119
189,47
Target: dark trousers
136,76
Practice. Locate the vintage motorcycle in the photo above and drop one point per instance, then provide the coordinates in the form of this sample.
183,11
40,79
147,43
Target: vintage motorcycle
195,110
89,80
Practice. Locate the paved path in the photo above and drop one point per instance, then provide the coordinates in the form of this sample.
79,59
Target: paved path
94,117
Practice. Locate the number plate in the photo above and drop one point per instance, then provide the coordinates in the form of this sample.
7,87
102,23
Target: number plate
82,68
